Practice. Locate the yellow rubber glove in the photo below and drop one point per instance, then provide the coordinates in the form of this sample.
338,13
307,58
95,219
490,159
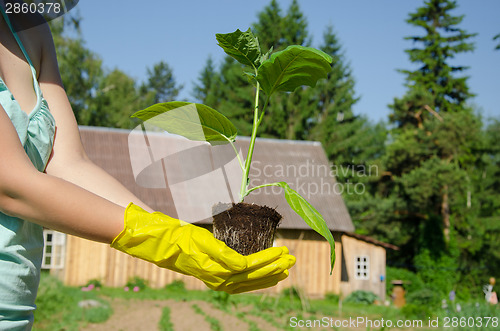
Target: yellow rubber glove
192,250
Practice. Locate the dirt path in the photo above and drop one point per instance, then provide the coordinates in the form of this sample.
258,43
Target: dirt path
131,315
144,315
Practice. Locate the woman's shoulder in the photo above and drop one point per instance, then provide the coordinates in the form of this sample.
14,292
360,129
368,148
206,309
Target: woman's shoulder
39,43
40,33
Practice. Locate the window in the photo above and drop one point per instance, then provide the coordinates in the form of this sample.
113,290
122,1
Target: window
362,267
53,249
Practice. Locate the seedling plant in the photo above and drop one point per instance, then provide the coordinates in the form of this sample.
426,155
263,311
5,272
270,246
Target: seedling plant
270,73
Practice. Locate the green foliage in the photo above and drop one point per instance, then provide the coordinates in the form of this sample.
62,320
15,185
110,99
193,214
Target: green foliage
441,43
412,311
331,297
177,286
291,68
432,196
241,46
233,95
438,270
116,99
57,306
291,292
214,323
411,281
80,68
495,38
363,297
165,324
294,26
468,309
137,283
95,282
193,121
425,297
207,89
221,300
422,303
97,314
161,82
50,297
277,31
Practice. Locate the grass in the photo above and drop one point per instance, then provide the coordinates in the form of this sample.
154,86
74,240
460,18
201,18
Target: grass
58,307
165,324
214,323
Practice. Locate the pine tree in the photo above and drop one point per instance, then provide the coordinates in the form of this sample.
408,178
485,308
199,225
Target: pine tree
269,27
236,96
442,41
426,167
206,91
162,82
116,100
294,26
335,124
287,116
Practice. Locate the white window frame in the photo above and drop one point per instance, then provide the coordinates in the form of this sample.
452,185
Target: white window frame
362,267
54,249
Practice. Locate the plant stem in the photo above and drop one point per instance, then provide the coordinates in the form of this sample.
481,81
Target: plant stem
237,154
247,192
248,161
263,110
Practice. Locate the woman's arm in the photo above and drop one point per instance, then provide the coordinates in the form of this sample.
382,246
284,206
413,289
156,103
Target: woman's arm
69,160
50,201
74,195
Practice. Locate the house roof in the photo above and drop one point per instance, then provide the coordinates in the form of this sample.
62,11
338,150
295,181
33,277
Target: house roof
139,164
372,240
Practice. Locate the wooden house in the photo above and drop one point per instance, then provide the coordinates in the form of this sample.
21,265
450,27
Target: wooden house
360,261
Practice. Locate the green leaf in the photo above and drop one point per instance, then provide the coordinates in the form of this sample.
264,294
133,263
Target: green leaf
293,67
194,121
266,56
308,213
242,46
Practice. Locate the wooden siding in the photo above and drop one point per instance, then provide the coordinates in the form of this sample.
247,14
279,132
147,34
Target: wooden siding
311,273
352,248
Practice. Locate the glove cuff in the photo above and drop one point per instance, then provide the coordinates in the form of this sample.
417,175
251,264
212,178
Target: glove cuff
126,228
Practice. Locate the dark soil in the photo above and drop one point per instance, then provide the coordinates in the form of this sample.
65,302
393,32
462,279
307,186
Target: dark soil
246,228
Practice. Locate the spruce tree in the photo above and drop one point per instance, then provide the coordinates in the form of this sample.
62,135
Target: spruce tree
294,26
425,177
334,123
207,89
236,96
434,50
117,99
269,27
161,81
287,116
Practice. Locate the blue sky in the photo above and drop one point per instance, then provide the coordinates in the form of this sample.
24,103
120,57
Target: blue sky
132,35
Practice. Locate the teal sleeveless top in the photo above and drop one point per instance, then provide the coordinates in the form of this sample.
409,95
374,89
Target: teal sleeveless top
21,242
